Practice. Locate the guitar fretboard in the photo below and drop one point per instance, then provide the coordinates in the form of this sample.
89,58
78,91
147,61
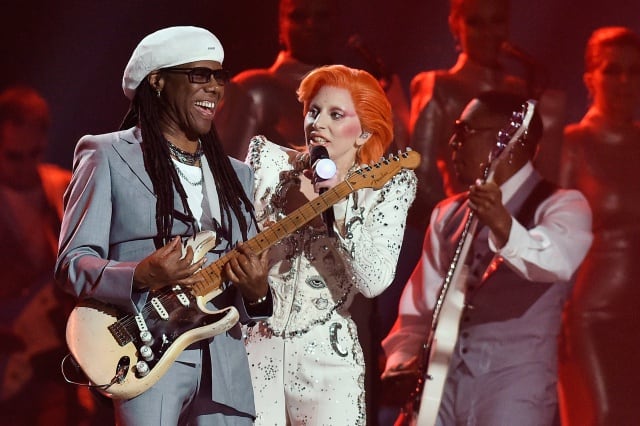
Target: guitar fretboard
374,176
265,239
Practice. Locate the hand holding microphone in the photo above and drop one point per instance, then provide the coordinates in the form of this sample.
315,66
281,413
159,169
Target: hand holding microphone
323,168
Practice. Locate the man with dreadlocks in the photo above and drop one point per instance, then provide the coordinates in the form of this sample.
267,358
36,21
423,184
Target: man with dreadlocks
136,194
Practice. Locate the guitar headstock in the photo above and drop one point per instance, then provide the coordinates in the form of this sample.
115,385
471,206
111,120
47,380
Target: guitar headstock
377,174
511,134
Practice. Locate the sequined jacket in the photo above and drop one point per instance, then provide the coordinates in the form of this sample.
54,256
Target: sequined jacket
314,276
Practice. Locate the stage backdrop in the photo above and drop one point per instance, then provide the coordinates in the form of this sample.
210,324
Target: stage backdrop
74,51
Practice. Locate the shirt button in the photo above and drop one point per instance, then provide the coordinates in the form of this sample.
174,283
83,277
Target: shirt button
465,350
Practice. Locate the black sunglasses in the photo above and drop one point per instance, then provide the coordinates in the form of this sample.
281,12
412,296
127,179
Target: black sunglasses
462,130
202,75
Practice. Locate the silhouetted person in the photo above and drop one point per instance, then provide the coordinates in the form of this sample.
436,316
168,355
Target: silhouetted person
32,310
264,101
480,29
601,346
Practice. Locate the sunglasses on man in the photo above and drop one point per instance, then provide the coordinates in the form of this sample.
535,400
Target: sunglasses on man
202,75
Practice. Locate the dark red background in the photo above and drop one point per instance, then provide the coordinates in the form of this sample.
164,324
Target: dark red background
74,51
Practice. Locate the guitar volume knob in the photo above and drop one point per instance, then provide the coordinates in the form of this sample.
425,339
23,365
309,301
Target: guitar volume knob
146,337
146,353
142,368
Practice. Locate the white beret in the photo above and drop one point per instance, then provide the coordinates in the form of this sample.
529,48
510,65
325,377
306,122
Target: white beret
169,47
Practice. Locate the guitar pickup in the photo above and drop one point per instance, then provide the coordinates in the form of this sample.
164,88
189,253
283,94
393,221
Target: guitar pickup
182,298
160,310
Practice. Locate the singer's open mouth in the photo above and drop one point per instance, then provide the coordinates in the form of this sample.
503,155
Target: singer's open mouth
318,140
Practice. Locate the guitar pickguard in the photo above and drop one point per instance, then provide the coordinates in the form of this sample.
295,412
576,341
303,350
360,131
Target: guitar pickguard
101,342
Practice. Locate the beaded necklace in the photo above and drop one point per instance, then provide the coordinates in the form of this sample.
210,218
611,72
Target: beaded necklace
184,156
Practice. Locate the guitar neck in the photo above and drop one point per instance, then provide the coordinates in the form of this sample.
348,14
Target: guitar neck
212,274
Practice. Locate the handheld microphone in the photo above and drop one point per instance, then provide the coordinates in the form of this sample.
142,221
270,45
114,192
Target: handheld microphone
323,168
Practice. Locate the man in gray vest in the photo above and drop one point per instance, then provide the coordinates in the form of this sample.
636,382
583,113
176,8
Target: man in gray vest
530,240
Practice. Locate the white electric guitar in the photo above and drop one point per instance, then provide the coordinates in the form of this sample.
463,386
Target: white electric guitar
123,354
422,408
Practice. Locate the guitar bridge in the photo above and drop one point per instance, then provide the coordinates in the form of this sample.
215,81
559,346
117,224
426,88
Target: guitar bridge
120,333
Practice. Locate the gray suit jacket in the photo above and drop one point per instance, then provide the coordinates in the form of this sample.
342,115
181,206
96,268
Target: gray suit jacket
108,227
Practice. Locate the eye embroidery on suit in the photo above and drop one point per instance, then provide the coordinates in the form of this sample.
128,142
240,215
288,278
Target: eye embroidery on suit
315,281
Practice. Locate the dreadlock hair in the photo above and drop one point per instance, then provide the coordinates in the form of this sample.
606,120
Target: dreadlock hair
146,112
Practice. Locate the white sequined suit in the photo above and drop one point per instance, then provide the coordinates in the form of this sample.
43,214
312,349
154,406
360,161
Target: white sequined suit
306,362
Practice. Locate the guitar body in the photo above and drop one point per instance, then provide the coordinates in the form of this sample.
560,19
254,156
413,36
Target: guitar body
106,343
444,342
100,354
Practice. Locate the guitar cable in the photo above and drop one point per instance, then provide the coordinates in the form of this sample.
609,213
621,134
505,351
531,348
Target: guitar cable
121,372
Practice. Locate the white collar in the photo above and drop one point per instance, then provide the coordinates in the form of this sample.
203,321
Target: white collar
511,186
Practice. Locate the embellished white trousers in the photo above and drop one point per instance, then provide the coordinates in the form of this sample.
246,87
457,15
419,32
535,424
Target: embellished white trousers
312,379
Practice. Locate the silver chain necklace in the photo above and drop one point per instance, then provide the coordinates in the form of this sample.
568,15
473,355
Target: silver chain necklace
186,179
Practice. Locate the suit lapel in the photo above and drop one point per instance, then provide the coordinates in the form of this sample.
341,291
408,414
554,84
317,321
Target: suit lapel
130,151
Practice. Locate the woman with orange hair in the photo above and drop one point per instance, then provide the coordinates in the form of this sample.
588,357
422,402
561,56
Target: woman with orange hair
306,362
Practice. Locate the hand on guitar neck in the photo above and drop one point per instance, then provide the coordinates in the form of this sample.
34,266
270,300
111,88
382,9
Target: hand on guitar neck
248,272
485,200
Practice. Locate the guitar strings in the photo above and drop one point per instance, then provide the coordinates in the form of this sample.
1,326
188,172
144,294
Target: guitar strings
330,197
148,308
